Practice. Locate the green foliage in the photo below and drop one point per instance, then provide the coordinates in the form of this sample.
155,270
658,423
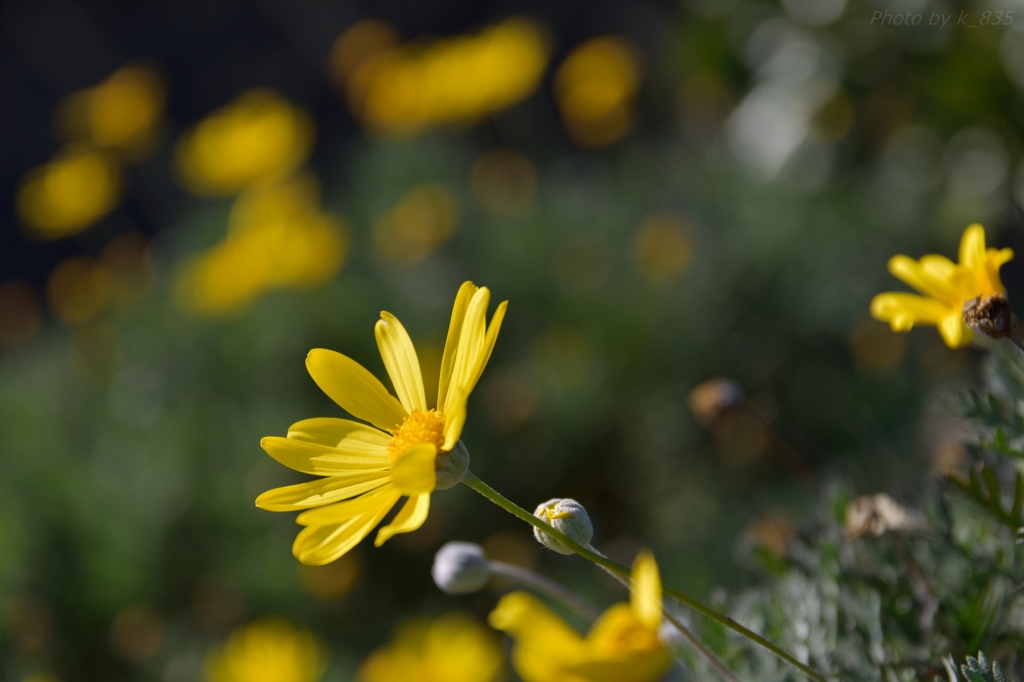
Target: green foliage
975,670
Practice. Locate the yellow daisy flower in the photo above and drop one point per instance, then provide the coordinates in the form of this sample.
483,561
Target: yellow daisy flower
622,645
946,287
408,451
453,648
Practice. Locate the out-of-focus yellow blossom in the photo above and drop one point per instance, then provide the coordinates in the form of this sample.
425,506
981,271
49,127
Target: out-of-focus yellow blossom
594,88
453,648
946,287
277,237
406,90
423,219
122,112
259,138
70,193
622,645
661,246
367,469
357,44
268,650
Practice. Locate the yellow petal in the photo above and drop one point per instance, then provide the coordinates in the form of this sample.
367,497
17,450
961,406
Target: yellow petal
646,596
972,247
320,460
903,311
523,616
545,645
339,512
471,340
954,331
400,360
318,545
620,647
321,491
344,434
488,346
932,276
454,419
412,516
357,391
451,344
477,343
415,471
994,259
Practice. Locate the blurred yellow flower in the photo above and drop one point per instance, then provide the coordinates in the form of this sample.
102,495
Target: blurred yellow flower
946,287
622,645
260,137
594,88
268,650
453,648
70,193
367,469
423,219
277,237
122,112
405,90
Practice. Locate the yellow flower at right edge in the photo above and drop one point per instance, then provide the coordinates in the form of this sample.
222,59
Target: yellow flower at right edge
622,646
946,287
453,648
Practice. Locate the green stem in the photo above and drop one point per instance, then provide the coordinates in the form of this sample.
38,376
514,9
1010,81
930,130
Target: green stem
494,496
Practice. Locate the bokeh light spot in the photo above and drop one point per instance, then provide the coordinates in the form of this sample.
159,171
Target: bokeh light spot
504,181
424,218
662,247
20,314
77,290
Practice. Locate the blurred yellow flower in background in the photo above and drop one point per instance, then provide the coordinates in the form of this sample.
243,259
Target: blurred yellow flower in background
622,645
946,287
267,650
423,219
82,183
122,112
71,192
404,90
260,137
453,648
367,469
277,237
594,88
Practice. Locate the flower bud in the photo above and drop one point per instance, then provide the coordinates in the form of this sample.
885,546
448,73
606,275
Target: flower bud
990,315
451,466
460,568
566,516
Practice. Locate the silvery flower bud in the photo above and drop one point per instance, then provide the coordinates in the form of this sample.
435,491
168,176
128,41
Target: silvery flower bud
566,516
451,466
460,568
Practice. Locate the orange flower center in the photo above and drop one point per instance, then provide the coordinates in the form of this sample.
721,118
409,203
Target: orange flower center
422,426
